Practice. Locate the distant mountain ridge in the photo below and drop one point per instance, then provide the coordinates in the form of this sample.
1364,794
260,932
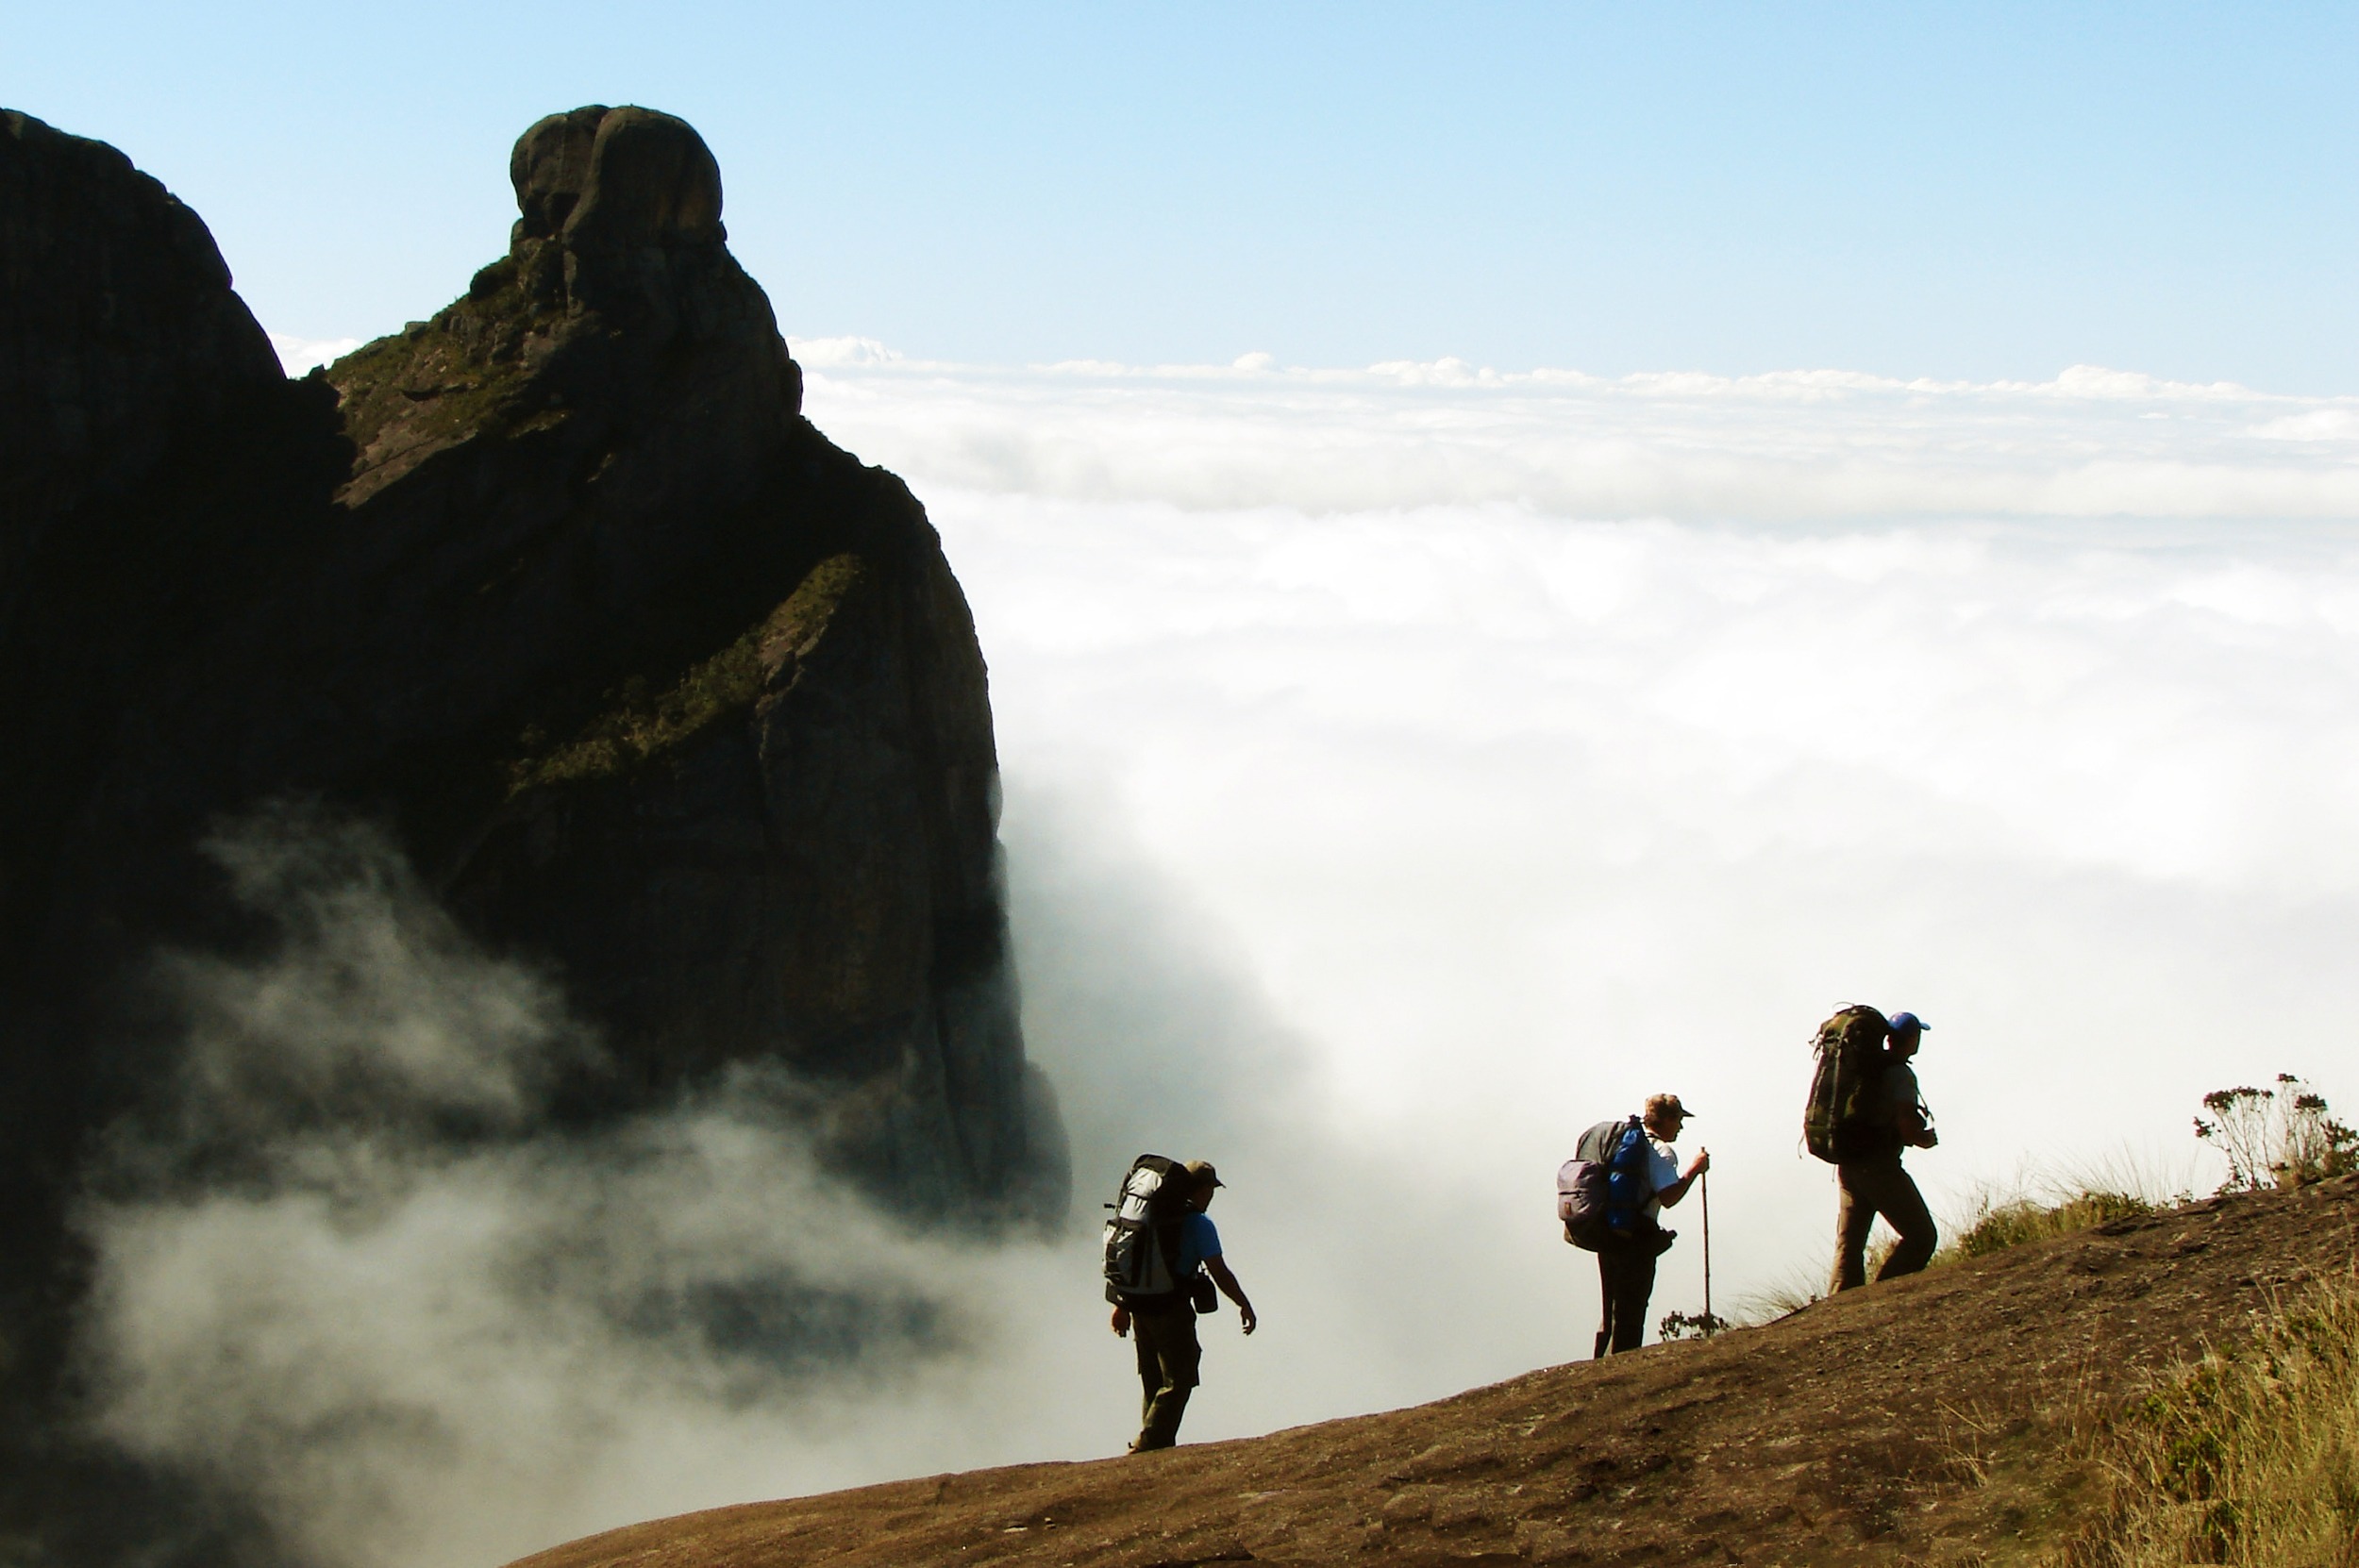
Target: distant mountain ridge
661,693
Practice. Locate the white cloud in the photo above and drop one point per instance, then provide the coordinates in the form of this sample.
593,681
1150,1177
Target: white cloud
297,356
1796,446
1516,819
842,352
1540,741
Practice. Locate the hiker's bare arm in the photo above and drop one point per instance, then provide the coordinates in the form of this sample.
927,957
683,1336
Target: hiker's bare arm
1915,1129
1122,1320
1669,1196
1229,1288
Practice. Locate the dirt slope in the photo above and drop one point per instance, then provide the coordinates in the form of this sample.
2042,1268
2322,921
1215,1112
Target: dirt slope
1922,1421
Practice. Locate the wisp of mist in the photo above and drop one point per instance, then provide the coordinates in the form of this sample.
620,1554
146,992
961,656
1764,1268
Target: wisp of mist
1405,768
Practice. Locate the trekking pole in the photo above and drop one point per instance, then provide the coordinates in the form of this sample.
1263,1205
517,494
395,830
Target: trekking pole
1709,1321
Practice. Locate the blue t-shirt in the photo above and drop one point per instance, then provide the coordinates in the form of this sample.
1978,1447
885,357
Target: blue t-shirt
1197,1242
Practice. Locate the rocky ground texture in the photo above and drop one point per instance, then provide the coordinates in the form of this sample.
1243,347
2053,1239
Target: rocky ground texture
1942,1419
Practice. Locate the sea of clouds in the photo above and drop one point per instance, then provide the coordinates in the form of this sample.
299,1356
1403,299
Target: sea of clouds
1405,768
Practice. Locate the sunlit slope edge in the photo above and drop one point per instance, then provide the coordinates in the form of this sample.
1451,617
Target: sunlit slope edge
1954,1411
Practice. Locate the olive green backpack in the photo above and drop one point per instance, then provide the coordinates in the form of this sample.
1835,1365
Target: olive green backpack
1837,1124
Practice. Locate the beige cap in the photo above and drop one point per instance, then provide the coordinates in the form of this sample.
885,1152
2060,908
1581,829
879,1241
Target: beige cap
1204,1174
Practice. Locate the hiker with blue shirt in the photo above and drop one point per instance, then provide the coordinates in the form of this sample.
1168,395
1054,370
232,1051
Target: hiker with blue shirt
1162,1327
1626,1263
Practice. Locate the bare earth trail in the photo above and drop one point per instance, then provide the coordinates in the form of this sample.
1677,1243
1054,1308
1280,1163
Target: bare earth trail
1925,1422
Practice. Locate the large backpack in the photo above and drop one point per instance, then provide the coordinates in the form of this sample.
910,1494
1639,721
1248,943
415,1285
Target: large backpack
1838,1124
1601,1191
1143,1237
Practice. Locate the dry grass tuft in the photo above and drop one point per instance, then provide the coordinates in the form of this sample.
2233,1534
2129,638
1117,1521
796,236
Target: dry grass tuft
2004,1223
1782,1296
2249,1459
2036,1205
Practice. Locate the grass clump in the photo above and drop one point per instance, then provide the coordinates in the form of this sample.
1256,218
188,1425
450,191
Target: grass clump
2003,1222
1800,1286
2249,1459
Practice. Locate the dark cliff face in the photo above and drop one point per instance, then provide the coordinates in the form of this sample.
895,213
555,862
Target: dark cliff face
667,695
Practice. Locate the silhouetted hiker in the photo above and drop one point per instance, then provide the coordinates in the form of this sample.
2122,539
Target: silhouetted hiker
1887,1116
1622,1221
1158,1288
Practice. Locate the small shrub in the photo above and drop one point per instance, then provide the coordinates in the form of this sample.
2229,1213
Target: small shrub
2281,1137
1690,1326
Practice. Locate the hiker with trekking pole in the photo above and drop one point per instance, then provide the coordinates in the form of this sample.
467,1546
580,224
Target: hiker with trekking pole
1610,1195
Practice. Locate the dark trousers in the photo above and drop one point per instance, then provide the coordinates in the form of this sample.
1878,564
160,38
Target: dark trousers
1169,1359
1873,1187
1625,1280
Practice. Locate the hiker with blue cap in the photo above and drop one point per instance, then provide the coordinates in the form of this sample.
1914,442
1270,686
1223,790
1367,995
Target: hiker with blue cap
1869,1172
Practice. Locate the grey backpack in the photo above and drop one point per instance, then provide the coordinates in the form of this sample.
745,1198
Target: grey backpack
1603,1191
1143,1237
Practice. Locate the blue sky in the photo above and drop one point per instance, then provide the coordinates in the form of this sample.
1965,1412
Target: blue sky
1989,191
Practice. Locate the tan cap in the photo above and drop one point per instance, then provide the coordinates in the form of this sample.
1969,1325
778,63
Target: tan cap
1666,1105
1204,1174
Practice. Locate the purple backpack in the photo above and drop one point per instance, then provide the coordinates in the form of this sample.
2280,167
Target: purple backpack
1601,1191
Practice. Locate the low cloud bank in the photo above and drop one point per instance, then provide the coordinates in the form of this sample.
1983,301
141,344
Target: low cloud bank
1516,819
1536,741
360,1278
1791,446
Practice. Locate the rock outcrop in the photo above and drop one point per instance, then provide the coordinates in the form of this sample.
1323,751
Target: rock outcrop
665,694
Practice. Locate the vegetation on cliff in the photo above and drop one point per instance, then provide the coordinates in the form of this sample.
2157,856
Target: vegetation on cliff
640,726
465,372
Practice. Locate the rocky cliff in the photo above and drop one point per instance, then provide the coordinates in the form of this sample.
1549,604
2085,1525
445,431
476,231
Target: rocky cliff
661,693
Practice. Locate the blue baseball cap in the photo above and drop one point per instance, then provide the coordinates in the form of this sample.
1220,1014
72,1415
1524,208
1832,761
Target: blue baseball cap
1908,1023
